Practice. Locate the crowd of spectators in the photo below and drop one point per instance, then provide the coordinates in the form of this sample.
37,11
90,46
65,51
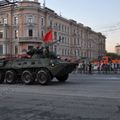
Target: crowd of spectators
97,68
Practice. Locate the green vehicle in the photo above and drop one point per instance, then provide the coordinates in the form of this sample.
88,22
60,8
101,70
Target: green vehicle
41,67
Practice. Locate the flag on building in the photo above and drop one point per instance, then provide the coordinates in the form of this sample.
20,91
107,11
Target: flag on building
48,36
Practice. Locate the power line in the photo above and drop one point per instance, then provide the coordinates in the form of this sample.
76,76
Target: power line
110,28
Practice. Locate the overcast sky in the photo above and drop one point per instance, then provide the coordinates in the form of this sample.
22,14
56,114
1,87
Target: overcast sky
101,15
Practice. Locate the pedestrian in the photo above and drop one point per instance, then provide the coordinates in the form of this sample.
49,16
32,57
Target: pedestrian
83,67
90,68
79,68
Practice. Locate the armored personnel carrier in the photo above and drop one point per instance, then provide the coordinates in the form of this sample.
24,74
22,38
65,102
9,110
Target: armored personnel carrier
41,67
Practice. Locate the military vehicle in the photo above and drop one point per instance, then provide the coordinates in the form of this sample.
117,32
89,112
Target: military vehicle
41,67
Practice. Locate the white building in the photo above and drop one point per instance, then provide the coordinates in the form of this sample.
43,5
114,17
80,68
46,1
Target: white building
22,27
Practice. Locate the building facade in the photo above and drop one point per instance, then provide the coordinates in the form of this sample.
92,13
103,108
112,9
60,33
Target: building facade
117,49
23,25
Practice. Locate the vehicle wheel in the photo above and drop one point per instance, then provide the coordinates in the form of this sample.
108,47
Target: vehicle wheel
62,78
27,77
1,77
10,77
43,77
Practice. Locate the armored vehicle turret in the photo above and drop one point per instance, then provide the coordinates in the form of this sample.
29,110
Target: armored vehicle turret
41,67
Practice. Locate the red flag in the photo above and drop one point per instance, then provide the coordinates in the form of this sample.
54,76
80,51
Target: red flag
48,36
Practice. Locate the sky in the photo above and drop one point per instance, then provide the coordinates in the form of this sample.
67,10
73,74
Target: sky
101,15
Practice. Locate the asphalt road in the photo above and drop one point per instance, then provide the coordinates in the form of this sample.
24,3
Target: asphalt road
82,97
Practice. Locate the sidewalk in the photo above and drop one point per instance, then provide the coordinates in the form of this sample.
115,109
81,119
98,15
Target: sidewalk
98,72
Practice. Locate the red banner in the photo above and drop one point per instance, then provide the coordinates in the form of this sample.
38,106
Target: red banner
48,36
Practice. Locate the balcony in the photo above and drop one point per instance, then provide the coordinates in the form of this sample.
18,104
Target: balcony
3,25
50,27
29,39
30,24
4,40
15,25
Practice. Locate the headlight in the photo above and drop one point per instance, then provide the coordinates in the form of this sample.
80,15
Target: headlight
52,64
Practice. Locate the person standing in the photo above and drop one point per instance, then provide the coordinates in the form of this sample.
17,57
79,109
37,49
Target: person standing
83,67
90,68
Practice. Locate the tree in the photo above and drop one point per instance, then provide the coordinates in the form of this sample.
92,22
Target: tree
113,55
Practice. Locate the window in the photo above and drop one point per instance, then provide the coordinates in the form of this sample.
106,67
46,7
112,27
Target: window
1,49
30,32
50,23
0,20
62,51
30,47
16,49
42,21
42,33
15,20
30,19
68,30
62,28
55,25
59,27
65,40
74,52
65,52
65,28
55,49
5,21
16,34
55,35
78,41
1,34
68,41
24,50
60,38
68,52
